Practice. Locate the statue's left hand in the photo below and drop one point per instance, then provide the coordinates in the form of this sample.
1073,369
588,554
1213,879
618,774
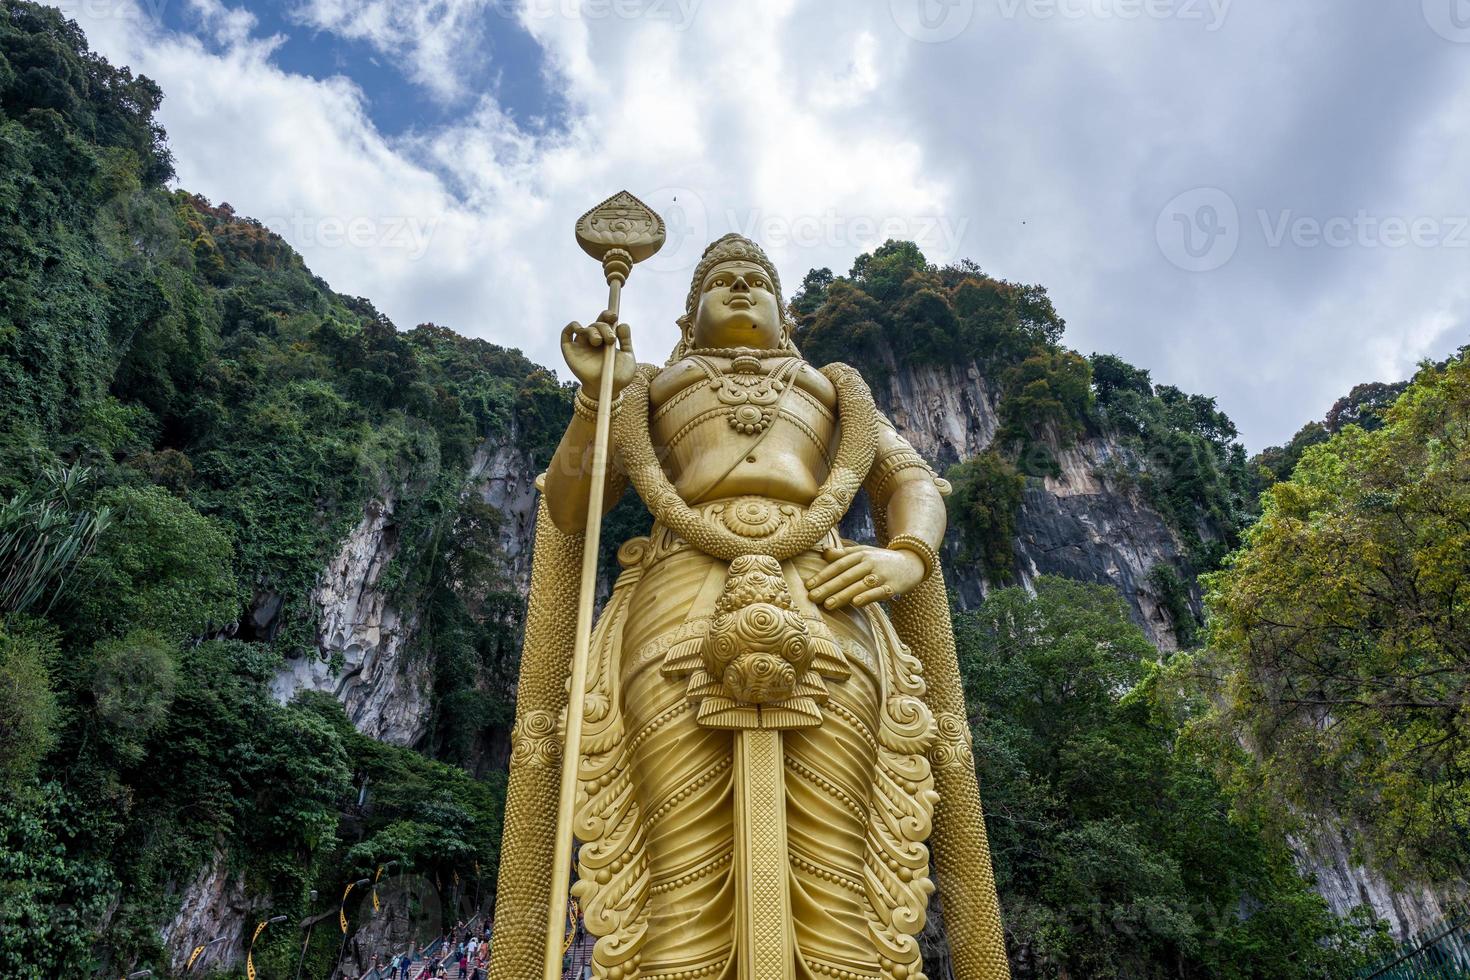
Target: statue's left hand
858,574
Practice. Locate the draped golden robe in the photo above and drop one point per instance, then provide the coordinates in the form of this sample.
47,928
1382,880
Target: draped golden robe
863,744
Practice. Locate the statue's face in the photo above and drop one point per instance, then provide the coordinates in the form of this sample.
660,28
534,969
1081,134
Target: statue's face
738,308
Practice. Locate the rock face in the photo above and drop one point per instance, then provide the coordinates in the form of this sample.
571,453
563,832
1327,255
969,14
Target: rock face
361,639
504,476
1345,884
214,904
1088,523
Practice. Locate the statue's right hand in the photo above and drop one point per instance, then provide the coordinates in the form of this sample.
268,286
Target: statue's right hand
582,348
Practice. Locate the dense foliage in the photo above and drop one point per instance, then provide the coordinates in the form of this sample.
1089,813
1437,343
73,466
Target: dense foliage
1188,459
895,305
1116,852
895,308
1338,637
982,509
191,423
1363,406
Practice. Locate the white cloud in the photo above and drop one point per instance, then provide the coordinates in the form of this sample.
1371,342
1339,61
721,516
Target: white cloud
1042,147
230,26
435,41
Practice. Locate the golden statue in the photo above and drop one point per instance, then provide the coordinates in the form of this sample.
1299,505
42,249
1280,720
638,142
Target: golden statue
773,725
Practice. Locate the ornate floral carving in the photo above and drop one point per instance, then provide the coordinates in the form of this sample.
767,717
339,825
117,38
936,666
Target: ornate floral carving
755,517
536,740
751,664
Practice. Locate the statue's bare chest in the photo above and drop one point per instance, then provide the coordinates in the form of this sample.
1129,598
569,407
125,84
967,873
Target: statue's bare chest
761,429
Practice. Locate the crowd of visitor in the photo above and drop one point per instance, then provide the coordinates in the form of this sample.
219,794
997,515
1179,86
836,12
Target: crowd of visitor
462,954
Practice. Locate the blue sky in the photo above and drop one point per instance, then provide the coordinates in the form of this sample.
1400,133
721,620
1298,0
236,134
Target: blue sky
500,59
1257,200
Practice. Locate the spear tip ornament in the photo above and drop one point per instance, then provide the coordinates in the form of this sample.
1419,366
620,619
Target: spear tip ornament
621,222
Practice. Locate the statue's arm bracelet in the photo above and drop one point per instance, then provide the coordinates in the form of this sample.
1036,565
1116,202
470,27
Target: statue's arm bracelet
587,407
917,545
889,465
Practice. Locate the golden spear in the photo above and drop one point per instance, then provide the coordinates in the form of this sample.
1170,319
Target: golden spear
618,232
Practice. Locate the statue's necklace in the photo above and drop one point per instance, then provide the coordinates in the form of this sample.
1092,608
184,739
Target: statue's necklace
853,460
750,395
759,353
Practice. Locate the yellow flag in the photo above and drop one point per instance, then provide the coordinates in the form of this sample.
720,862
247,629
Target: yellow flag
250,955
342,909
192,957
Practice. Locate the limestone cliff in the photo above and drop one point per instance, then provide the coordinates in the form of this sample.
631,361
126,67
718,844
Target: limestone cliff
214,904
1345,884
1088,522
362,639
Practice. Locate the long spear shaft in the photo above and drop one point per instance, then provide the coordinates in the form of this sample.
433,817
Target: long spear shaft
561,864
619,232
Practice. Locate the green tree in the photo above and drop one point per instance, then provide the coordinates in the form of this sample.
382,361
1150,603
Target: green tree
28,710
983,507
1115,848
160,566
1339,630
1184,456
45,533
132,687
1047,400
